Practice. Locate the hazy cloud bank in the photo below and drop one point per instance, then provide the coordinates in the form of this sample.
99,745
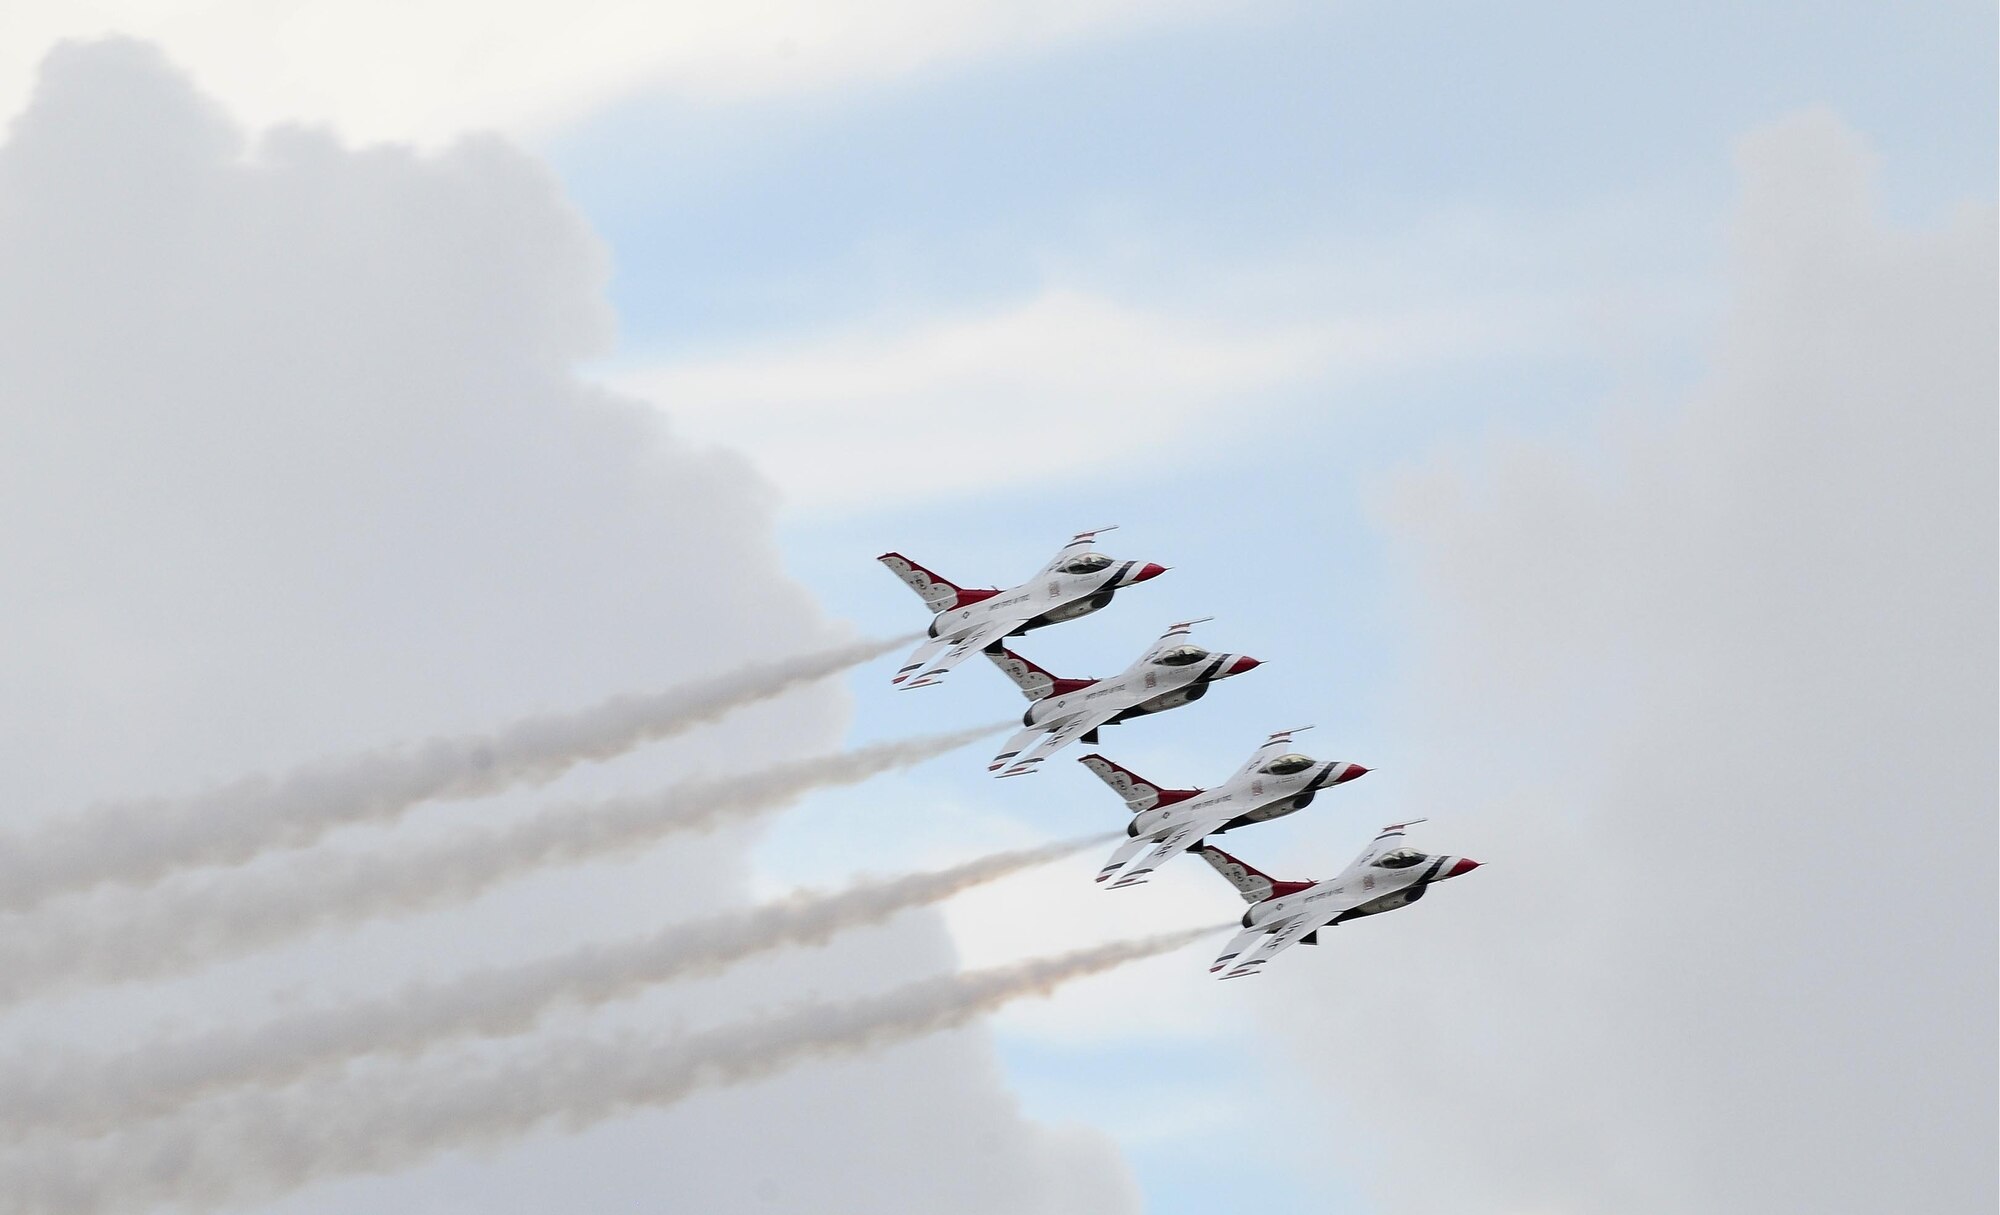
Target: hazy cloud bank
296,460
1713,694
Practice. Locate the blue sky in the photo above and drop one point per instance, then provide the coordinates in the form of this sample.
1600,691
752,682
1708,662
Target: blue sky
1235,171
1222,143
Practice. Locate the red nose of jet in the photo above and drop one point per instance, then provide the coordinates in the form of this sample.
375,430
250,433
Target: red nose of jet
1353,770
1462,865
1152,569
1243,664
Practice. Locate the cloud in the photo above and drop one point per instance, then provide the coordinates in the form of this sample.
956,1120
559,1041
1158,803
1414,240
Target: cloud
297,462
1712,692
375,70
1015,918
1039,393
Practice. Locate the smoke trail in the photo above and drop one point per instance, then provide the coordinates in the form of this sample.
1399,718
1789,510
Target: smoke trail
138,934
43,1093
140,841
262,1143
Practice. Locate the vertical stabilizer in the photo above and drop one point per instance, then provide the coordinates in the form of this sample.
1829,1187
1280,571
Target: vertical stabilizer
1254,886
1034,682
1138,792
937,594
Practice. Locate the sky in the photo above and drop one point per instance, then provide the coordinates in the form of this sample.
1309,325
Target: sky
1587,413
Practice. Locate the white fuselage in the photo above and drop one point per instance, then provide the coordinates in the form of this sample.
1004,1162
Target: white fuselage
1253,798
1145,687
1050,599
1387,889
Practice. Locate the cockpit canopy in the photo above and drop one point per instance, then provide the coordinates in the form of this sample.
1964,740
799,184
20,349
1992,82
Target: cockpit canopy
1181,655
1285,765
1401,858
1086,563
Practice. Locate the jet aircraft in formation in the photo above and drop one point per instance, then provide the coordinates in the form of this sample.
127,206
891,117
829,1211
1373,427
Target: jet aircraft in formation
1274,782
1076,582
1386,875
1170,674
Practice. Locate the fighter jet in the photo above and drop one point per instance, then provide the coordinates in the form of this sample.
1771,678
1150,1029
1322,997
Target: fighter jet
1386,875
1076,582
1171,674
1167,822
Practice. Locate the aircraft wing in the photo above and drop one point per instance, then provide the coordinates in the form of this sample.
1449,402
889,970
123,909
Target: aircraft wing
1245,955
932,669
1079,543
1270,749
1388,838
1176,634
1122,855
1183,837
919,659
1054,740
1240,944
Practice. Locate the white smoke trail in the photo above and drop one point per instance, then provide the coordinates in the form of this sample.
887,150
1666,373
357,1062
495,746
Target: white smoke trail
136,842
258,1144
40,1092
198,918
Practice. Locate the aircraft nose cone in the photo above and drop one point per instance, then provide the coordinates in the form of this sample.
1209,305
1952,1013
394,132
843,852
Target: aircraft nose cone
1353,770
1152,569
1462,865
1243,664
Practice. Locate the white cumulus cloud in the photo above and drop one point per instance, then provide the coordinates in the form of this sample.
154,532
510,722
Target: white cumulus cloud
1712,692
1037,393
297,463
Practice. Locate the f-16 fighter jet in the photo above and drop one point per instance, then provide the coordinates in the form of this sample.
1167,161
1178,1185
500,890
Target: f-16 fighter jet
1171,674
1386,875
1076,582
1167,822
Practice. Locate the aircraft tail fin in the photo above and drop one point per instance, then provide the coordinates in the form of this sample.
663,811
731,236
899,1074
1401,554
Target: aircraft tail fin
1253,885
1138,792
1034,682
938,595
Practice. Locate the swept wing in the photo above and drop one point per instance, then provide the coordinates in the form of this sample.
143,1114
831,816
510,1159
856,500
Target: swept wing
1270,749
928,665
1019,762
1080,543
1183,837
1246,954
